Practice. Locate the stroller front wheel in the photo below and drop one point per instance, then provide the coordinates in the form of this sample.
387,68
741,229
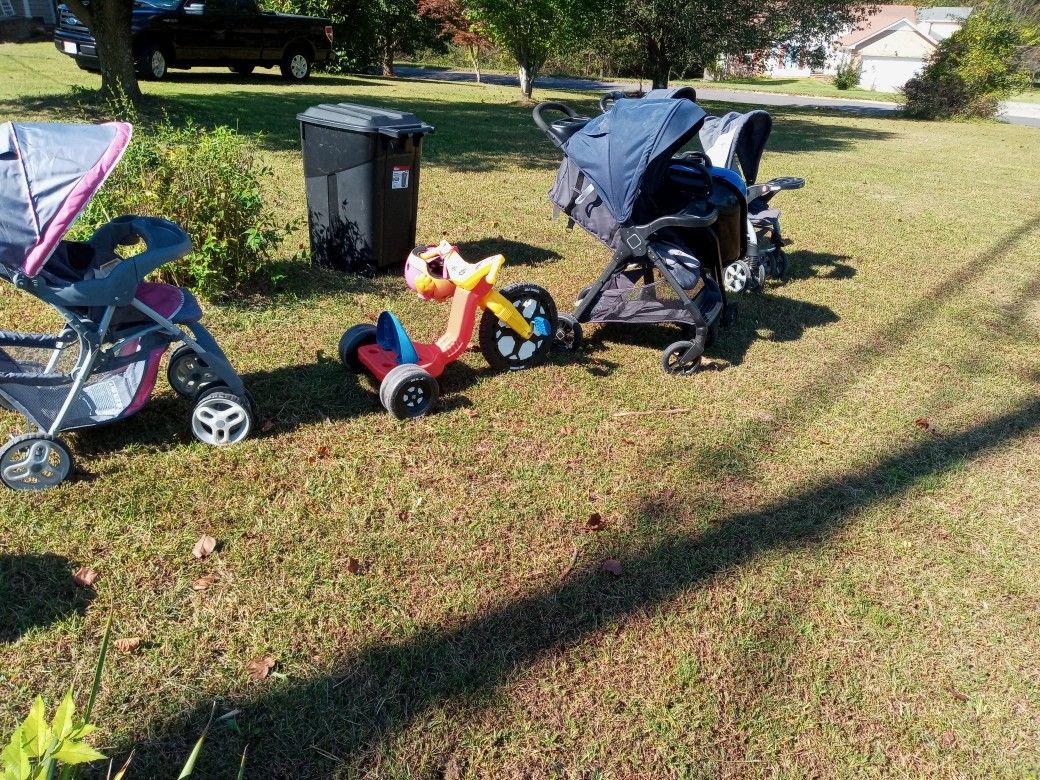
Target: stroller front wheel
568,333
221,417
34,461
681,358
736,277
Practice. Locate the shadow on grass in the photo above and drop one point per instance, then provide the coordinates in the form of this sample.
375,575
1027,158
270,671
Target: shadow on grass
35,591
804,264
338,723
382,689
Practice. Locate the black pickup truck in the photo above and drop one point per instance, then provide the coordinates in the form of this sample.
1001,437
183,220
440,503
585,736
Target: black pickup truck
185,33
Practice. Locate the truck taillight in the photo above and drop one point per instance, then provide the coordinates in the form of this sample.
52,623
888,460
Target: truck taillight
328,33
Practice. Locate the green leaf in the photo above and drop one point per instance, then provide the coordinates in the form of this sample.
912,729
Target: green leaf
77,753
97,670
189,765
62,725
36,733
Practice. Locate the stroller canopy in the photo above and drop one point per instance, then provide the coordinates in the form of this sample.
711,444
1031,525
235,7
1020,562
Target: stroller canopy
48,174
615,150
735,138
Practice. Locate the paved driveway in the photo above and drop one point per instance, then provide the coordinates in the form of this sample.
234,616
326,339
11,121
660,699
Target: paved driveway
1011,112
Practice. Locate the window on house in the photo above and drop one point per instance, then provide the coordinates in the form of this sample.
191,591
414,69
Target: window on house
6,8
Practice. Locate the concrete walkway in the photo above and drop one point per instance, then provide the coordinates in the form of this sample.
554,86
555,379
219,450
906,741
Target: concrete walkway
1011,112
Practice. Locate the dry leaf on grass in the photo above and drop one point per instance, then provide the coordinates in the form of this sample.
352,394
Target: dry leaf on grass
926,424
596,522
204,547
128,644
85,577
353,566
612,566
469,411
260,668
202,583
267,426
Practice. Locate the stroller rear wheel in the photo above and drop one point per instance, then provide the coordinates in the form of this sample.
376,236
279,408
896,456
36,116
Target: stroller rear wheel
188,373
681,358
221,417
502,346
34,461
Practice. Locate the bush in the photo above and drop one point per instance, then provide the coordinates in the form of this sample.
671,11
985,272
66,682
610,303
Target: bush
208,182
847,75
972,70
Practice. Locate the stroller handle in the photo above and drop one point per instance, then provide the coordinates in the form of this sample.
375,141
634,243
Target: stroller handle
607,100
551,105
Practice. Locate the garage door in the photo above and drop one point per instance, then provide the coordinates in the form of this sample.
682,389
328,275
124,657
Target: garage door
888,74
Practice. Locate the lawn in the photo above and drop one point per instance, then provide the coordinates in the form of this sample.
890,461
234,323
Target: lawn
827,560
813,87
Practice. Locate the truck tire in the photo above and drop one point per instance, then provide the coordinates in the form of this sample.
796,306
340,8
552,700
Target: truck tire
152,62
296,64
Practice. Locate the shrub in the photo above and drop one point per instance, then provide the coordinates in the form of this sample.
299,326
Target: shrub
847,75
972,70
208,182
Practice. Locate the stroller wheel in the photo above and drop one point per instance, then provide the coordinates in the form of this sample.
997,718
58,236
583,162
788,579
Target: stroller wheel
408,391
581,295
736,277
351,341
221,417
34,461
568,333
681,358
188,373
780,264
502,346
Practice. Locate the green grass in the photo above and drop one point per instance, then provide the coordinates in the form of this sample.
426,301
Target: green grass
812,87
1029,96
812,585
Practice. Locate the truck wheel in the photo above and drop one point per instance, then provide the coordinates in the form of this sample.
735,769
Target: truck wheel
244,69
151,63
296,65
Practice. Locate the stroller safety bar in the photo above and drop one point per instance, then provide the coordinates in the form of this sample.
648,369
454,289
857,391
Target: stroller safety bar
683,219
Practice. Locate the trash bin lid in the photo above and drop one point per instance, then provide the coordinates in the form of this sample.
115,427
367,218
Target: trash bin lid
365,119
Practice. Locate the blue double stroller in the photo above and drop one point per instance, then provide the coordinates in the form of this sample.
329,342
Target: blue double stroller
673,222
101,366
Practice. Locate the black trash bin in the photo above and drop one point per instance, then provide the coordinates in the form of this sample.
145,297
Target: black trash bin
361,165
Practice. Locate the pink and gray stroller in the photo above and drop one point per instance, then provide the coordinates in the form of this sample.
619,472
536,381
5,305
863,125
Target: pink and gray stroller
103,364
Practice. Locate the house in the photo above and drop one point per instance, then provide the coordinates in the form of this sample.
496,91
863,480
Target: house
892,44
19,17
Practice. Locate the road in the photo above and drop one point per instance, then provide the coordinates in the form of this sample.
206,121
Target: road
1012,112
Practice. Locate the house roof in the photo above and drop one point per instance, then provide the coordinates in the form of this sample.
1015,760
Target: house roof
880,17
953,13
898,24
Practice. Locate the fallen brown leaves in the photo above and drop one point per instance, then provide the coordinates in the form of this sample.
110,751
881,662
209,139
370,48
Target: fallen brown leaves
85,577
128,644
204,547
204,582
260,668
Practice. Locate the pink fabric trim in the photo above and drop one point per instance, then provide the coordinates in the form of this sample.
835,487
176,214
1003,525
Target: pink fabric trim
144,391
77,201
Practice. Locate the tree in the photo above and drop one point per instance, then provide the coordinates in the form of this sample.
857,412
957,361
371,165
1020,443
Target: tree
450,16
109,23
395,21
975,68
530,30
680,34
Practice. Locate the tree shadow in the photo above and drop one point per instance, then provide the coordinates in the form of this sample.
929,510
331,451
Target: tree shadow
805,264
36,591
382,689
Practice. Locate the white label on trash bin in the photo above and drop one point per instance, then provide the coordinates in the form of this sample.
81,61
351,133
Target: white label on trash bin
400,180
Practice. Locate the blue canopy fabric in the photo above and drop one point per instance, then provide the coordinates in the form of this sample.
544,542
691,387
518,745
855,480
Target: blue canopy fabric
615,150
48,173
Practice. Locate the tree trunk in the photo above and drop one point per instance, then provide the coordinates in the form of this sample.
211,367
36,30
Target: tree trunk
474,55
659,64
526,73
388,56
109,22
